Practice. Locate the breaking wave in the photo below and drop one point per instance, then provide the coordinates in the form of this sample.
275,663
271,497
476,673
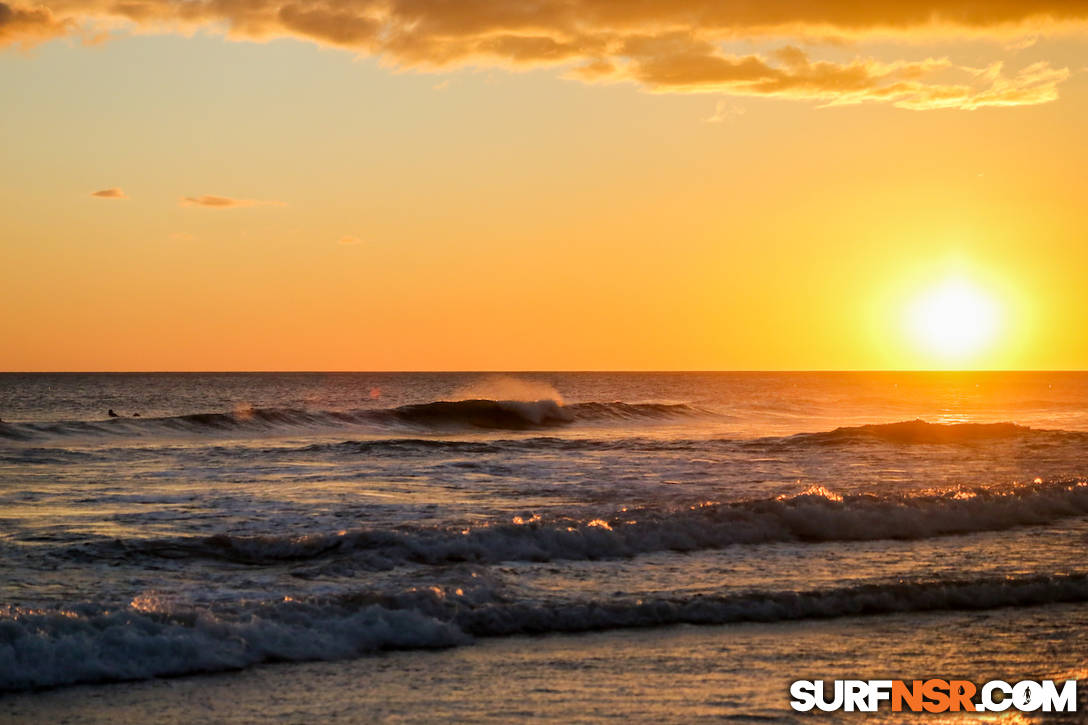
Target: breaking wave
814,515
49,648
438,415
501,414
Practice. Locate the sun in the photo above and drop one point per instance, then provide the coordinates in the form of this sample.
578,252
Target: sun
953,320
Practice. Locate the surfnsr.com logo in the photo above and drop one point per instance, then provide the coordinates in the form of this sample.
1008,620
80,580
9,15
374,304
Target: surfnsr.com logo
934,696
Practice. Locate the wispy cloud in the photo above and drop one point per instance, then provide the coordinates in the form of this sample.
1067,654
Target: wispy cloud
348,240
209,201
112,193
723,111
667,46
665,67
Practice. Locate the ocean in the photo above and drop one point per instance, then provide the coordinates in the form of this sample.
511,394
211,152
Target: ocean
571,546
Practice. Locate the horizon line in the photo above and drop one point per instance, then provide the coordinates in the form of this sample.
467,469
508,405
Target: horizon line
542,371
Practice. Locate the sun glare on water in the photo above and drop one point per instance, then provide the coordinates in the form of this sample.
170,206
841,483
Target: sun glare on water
954,320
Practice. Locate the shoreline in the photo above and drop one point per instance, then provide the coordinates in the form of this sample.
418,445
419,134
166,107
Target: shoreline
679,673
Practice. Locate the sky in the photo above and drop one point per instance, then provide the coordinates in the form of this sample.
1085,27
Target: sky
546,185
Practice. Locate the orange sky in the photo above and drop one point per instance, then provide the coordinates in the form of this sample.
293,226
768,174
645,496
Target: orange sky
565,184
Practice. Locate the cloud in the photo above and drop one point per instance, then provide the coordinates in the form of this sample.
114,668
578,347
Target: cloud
224,202
348,240
929,84
674,46
27,25
724,111
1037,83
112,193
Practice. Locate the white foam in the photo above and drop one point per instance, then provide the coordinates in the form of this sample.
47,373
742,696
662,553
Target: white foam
814,515
44,649
150,638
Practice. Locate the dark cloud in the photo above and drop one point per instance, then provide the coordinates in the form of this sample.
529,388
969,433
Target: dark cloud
25,25
666,45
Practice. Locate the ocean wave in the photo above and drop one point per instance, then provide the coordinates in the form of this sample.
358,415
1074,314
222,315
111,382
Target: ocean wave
813,515
384,446
427,446
437,415
44,648
153,638
500,414
258,419
861,600
393,428
919,431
